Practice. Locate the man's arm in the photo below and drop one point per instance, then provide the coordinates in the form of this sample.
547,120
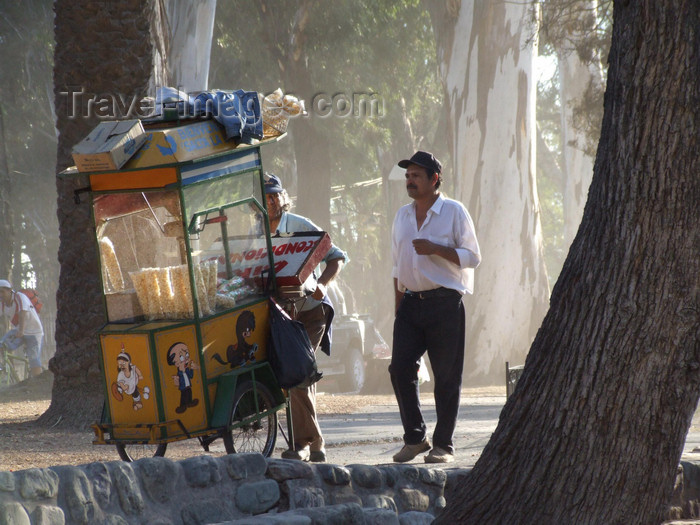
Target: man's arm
330,272
465,254
426,247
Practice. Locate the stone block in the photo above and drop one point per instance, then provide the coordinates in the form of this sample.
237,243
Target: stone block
333,474
75,495
284,469
244,466
412,500
14,513
208,511
400,475
47,515
379,516
127,485
115,519
366,476
7,482
416,518
36,484
335,514
305,497
379,501
283,518
436,477
257,497
98,474
340,497
159,477
440,503
201,471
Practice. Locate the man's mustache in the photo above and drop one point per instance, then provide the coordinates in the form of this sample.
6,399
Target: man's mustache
411,186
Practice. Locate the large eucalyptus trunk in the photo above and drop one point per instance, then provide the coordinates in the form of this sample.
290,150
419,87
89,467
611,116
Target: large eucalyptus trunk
485,54
6,229
596,426
191,25
116,49
579,78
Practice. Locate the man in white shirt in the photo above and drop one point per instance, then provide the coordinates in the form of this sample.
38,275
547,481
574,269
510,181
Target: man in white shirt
26,326
434,252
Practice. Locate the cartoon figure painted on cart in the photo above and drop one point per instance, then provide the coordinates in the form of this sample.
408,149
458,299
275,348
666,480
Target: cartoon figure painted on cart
179,356
128,377
242,351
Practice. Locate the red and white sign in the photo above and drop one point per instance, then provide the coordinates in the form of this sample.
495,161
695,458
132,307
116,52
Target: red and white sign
295,256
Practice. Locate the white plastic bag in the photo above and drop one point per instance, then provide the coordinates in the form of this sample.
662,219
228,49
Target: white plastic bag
423,374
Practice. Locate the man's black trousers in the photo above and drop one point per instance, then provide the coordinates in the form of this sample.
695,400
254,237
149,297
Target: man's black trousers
434,324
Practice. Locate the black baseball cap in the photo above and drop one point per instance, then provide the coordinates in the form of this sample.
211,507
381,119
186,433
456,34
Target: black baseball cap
272,184
423,159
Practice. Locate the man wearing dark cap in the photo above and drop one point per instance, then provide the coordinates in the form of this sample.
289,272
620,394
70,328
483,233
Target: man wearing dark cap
314,311
434,252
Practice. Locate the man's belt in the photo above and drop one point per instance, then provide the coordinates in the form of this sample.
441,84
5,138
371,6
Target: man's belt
430,294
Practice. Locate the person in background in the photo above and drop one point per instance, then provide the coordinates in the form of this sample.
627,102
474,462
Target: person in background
26,327
434,253
314,311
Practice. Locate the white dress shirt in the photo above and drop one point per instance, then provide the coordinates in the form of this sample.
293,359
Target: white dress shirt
447,223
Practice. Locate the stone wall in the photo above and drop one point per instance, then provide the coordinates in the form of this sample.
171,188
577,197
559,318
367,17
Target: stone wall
238,488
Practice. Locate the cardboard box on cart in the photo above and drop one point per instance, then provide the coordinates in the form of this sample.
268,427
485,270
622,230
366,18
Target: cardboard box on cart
109,145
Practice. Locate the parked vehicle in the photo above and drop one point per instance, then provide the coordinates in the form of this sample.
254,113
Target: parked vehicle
359,355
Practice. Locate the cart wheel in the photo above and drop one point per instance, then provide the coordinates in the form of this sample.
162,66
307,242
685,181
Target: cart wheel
258,435
134,452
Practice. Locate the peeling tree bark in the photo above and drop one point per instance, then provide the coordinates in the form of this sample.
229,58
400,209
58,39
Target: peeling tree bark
596,426
191,25
486,53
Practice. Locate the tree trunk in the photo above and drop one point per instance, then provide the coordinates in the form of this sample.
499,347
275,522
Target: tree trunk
596,426
6,229
578,76
485,53
114,49
191,26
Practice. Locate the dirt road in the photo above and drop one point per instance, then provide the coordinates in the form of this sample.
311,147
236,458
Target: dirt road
358,429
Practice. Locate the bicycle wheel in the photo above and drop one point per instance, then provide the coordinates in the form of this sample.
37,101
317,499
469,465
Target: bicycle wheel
134,452
20,367
9,374
258,434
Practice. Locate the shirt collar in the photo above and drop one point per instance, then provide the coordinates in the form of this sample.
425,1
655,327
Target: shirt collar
437,205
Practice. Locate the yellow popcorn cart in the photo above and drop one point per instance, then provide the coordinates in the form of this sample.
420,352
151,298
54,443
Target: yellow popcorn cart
187,268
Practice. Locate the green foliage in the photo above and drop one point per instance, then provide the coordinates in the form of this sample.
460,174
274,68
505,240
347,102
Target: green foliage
361,47
550,182
584,28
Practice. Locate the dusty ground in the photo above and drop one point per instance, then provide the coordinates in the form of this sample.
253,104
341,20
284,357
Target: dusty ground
24,444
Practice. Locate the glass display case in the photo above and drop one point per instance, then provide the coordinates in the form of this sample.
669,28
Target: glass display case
145,240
